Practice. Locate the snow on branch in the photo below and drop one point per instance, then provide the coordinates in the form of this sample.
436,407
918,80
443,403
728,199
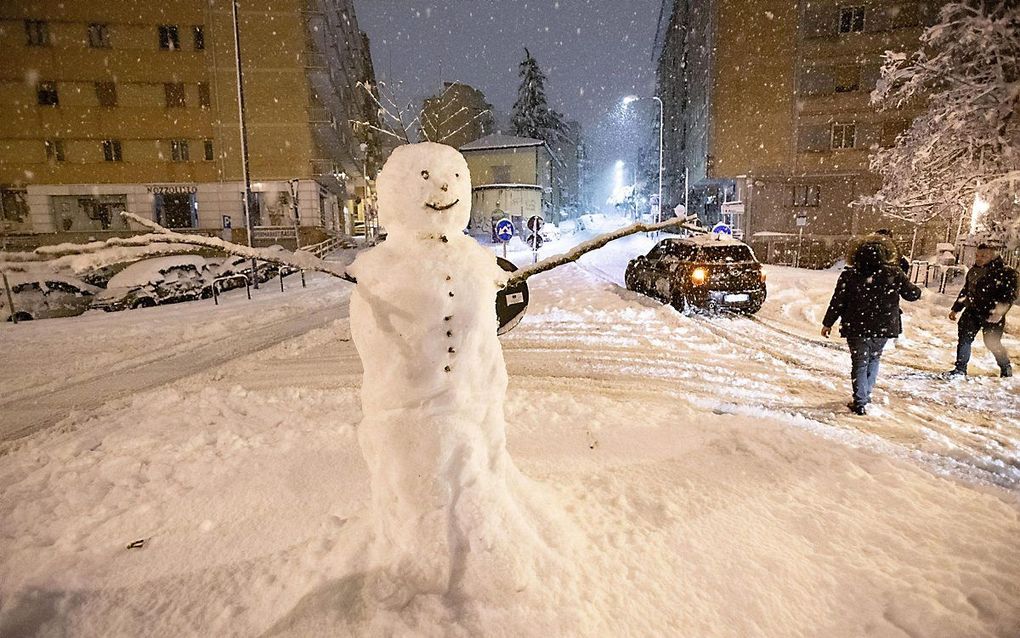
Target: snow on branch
301,260
79,258
598,242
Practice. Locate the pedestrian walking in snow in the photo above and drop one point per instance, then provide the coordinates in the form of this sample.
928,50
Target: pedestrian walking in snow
988,293
901,261
866,301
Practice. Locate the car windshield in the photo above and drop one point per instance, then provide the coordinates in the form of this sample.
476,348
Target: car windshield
725,254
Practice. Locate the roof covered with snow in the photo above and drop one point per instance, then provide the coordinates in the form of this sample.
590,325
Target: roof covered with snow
498,141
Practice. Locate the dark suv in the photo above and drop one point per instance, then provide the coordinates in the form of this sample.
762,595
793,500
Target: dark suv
701,272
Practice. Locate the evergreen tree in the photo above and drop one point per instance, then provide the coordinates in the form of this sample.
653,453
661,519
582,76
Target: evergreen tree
531,115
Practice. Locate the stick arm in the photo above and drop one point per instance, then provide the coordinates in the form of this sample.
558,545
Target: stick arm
598,242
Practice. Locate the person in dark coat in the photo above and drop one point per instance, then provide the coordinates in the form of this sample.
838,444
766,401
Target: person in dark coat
988,292
867,303
901,261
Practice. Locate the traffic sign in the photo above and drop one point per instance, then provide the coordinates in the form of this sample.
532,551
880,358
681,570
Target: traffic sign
535,223
802,219
722,229
511,302
504,229
535,240
226,222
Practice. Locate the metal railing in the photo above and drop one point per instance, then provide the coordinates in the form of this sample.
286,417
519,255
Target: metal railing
215,288
323,248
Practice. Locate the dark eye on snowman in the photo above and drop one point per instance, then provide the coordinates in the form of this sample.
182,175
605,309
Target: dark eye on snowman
424,174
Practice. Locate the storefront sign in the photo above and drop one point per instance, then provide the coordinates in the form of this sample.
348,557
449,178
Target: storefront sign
171,189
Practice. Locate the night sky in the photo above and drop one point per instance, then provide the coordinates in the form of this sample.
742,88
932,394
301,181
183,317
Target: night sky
594,52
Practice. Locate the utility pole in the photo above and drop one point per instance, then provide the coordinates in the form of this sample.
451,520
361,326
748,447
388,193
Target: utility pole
242,125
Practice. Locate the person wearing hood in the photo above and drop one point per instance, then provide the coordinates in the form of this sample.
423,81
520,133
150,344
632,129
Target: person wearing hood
988,293
866,301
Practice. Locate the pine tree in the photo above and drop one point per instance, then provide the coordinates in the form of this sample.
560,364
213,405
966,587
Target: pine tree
966,142
531,115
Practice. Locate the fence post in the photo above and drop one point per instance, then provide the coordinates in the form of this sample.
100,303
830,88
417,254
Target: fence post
10,297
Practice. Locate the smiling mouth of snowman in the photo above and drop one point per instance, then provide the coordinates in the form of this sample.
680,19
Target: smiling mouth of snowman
440,207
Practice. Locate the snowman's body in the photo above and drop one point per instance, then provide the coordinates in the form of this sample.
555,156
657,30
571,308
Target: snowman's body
445,500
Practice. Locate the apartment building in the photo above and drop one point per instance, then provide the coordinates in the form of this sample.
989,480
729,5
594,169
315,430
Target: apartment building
112,106
768,122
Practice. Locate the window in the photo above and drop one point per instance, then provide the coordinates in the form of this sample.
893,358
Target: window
843,135
54,150
106,93
37,33
111,151
209,151
501,174
99,36
805,195
47,94
168,38
848,79
851,19
175,97
199,34
179,150
204,97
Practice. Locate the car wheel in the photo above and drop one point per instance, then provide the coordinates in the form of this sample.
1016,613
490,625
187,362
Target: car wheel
144,302
681,303
630,280
22,316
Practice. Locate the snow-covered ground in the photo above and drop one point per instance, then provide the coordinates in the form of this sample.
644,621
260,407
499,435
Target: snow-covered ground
710,479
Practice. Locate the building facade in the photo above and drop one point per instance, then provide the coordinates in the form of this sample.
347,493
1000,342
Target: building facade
768,122
458,115
106,107
510,177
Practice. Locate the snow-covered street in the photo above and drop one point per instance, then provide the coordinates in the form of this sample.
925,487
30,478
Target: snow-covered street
711,478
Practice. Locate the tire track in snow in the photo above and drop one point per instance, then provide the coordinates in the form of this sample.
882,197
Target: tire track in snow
809,380
33,412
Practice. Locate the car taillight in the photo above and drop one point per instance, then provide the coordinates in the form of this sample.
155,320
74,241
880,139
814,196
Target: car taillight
698,276
762,275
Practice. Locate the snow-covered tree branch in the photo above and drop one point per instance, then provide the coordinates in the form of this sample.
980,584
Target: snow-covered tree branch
966,141
594,243
78,258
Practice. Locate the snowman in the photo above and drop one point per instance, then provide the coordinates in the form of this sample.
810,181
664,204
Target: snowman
450,511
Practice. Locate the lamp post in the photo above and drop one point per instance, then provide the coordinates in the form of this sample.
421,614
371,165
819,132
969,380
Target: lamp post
243,130
634,98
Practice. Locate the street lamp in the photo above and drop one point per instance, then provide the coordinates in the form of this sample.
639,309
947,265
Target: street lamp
634,98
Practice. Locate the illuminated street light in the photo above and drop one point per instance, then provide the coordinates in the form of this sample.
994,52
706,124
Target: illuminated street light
633,98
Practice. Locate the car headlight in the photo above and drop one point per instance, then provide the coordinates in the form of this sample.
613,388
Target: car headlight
699,276
762,275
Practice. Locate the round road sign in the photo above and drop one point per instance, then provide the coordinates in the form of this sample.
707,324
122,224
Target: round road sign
504,229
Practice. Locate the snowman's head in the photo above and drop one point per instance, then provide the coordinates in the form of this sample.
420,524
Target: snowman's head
424,189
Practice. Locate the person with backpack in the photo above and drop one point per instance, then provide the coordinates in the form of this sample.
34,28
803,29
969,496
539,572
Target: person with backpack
866,301
988,293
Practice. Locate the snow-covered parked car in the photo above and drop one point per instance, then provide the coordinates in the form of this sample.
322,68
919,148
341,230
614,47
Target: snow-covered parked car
549,232
591,222
704,271
156,281
45,296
